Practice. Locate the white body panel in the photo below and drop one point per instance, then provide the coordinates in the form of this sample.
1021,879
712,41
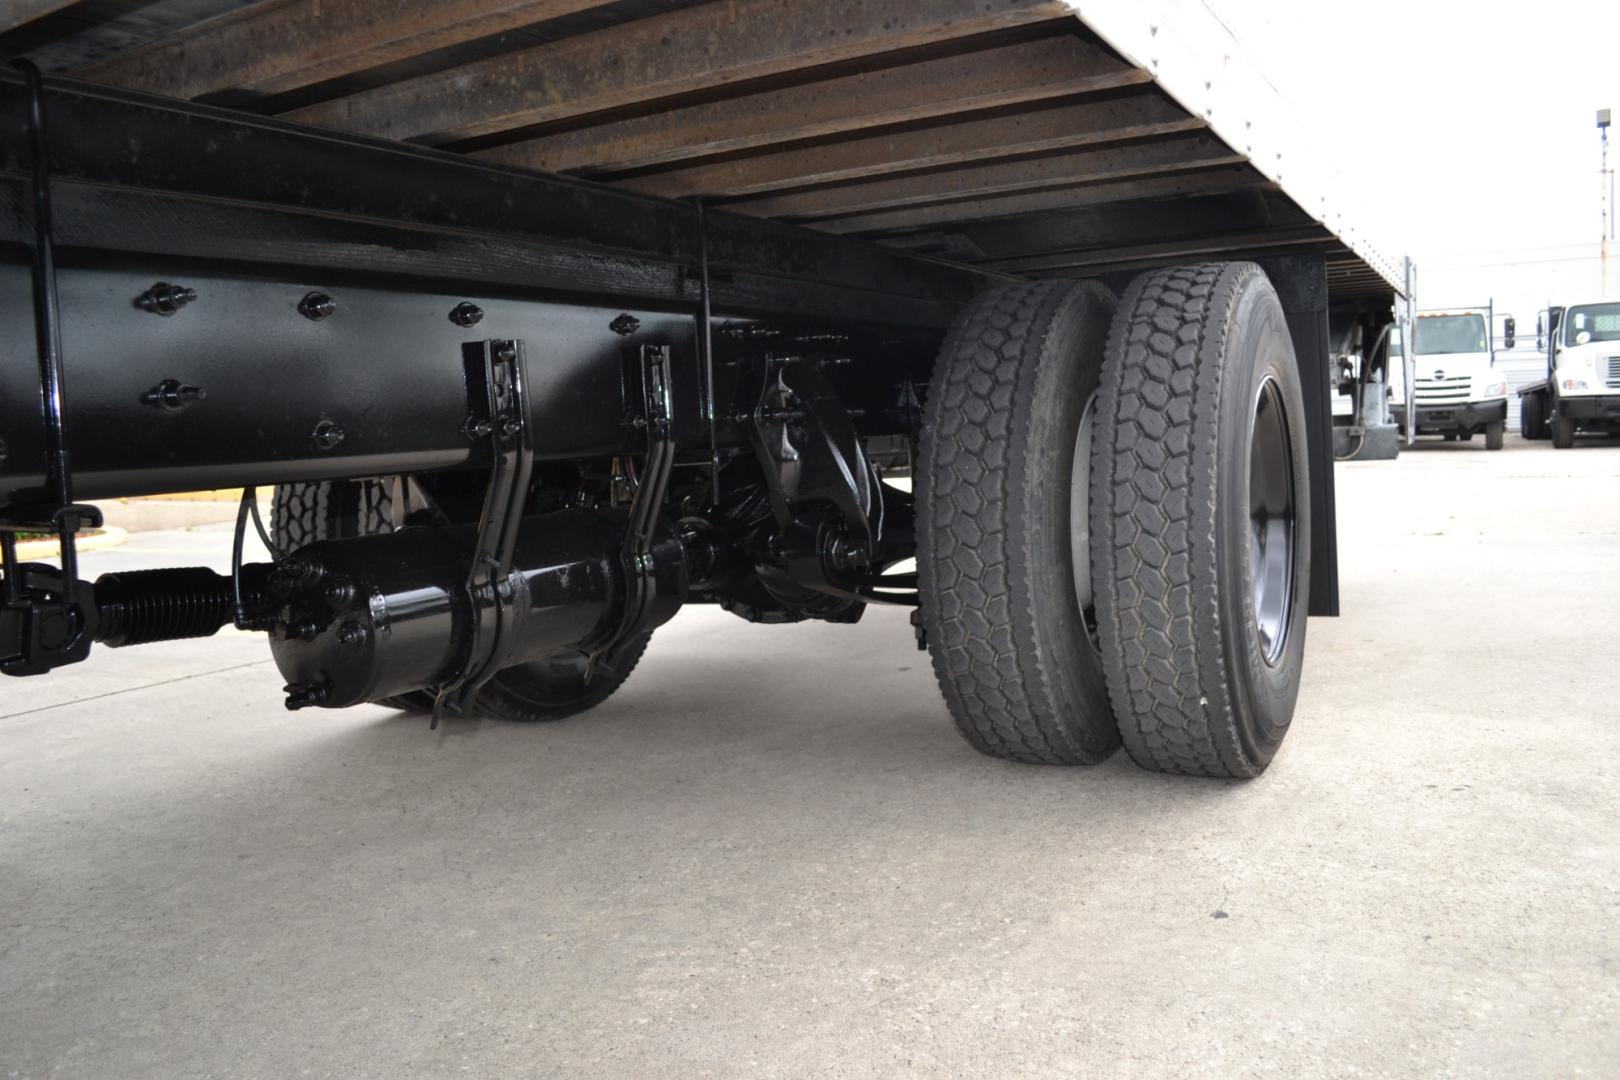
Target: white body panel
1590,367
1196,60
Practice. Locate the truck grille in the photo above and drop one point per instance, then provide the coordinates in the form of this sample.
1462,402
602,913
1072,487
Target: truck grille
1451,390
1614,373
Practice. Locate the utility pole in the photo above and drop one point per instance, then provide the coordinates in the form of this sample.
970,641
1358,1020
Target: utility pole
1606,179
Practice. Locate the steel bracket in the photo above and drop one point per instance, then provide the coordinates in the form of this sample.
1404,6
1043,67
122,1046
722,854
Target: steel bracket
640,567
498,413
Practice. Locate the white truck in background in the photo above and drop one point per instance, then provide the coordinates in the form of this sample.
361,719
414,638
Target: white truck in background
1582,388
1457,391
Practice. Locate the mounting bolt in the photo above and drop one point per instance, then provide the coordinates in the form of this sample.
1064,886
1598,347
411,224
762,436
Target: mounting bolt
506,351
316,306
625,325
352,633
510,427
300,696
845,555
339,592
165,299
172,395
291,574
327,435
466,314
477,428
57,630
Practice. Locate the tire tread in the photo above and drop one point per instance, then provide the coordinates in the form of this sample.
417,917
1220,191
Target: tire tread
978,599
1154,515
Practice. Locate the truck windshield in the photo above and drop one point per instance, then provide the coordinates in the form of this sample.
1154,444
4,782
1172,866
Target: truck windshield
1449,334
1592,322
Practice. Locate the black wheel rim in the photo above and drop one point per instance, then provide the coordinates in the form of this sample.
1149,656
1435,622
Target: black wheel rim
1272,525
1080,521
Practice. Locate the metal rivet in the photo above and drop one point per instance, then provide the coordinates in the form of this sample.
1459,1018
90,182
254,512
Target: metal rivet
316,305
466,314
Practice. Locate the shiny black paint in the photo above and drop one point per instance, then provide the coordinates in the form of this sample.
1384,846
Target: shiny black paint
406,619
316,296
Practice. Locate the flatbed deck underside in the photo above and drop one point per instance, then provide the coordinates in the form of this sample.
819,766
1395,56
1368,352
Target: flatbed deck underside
997,133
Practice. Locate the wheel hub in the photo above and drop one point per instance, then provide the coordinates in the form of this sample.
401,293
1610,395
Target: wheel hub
1080,519
1271,520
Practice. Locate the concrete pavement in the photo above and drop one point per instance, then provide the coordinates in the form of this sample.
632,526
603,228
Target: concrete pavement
771,855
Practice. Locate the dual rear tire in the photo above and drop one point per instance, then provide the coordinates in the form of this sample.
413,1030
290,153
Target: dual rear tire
1115,541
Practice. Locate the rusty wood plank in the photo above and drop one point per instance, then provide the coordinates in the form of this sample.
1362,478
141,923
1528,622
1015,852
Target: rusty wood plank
693,49
996,77
1115,162
1006,206
17,13
936,146
1135,256
280,45
1113,224
1135,221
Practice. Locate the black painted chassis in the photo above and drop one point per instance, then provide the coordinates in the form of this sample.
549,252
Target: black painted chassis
235,301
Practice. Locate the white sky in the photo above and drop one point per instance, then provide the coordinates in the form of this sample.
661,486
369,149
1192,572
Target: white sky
1470,126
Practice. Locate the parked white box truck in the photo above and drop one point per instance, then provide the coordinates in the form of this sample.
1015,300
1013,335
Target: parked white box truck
1582,388
1457,391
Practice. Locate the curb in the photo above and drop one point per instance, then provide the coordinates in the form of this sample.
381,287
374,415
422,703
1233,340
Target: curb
108,537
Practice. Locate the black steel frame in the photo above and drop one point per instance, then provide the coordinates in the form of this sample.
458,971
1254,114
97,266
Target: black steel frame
245,219
231,300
